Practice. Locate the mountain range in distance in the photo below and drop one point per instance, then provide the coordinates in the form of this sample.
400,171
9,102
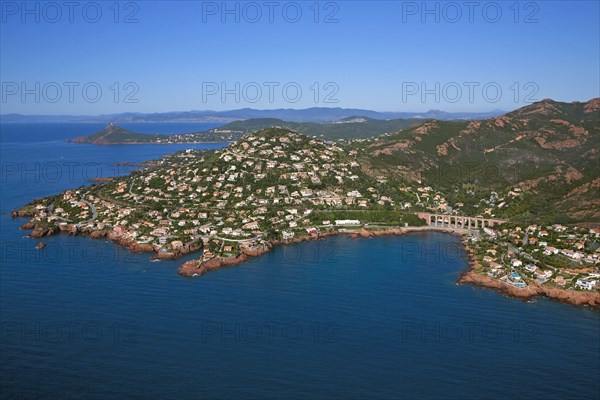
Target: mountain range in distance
347,128
314,114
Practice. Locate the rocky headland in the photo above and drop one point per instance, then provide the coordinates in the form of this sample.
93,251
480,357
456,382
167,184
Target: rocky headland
534,289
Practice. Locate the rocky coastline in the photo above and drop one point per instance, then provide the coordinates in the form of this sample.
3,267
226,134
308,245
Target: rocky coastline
194,268
38,232
363,233
534,289
198,267
22,214
87,140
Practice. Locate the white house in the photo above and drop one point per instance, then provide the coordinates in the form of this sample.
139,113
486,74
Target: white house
586,285
346,222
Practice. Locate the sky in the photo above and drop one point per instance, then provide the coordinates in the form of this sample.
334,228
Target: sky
149,56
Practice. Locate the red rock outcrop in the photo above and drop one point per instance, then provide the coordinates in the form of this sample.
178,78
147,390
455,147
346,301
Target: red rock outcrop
164,255
97,234
256,251
28,226
21,213
197,268
72,229
590,298
363,233
130,244
39,232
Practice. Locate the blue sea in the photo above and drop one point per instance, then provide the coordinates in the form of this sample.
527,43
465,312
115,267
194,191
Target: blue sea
331,319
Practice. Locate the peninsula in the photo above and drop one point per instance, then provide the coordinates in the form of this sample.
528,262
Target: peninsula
343,129
522,189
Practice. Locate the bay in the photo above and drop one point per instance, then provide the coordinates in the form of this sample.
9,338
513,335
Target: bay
338,318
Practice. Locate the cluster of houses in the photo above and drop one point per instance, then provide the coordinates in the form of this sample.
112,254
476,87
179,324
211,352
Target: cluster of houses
261,183
564,256
275,183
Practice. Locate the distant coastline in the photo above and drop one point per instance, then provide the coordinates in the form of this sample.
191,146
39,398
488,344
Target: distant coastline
162,144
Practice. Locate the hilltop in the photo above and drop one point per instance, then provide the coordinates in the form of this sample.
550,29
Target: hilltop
548,150
114,134
272,185
364,127
345,129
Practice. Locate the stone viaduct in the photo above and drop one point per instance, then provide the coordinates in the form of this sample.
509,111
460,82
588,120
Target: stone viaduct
458,222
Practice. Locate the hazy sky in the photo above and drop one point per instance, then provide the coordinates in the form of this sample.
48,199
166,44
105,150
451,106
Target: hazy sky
150,56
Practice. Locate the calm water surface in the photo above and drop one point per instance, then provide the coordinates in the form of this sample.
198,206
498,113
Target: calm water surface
337,318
